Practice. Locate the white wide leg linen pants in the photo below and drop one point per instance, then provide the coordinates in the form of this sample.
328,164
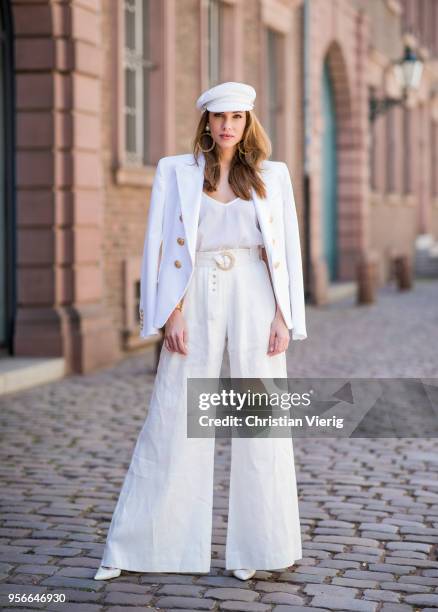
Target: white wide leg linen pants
163,518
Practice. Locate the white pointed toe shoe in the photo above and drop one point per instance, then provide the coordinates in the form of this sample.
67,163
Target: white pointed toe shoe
106,573
244,574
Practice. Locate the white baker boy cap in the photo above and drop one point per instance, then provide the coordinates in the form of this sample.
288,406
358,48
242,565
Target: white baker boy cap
228,96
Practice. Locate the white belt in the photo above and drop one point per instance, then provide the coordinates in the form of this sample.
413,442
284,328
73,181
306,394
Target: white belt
225,259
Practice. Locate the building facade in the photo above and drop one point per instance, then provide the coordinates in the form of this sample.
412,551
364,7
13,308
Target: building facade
96,92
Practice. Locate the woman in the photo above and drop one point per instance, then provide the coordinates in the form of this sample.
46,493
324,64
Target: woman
229,273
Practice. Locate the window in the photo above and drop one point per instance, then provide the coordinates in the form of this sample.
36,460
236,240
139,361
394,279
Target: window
390,151
407,151
277,52
373,147
214,41
136,68
273,106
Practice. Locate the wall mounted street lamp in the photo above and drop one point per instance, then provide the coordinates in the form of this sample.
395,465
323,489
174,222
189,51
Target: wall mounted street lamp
408,71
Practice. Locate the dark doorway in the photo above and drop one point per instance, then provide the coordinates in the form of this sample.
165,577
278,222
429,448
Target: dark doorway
7,181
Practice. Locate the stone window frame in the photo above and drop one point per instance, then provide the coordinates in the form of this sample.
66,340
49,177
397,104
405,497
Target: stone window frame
277,16
215,15
162,43
231,49
137,64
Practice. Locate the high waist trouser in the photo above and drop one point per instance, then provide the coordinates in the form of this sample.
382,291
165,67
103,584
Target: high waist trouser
163,519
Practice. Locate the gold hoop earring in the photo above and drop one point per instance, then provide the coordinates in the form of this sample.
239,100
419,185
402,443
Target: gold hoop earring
240,150
207,133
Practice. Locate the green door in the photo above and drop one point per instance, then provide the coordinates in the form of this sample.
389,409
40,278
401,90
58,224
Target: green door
329,177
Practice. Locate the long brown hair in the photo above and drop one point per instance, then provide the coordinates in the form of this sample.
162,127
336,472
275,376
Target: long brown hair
244,168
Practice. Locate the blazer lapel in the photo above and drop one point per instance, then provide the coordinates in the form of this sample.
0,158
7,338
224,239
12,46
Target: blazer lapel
190,181
263,211
264,208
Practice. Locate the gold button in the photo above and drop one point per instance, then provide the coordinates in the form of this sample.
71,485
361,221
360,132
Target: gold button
277,263
180,240
271,218
177,263
180,217
273,241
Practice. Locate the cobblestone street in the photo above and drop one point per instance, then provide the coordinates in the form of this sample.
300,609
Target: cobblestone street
368,507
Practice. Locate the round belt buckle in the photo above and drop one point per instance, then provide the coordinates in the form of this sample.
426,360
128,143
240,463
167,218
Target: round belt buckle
231,260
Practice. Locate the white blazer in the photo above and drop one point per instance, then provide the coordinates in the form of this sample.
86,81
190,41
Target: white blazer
172,228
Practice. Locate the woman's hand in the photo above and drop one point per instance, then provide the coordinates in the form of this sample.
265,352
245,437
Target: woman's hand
279,336
175,333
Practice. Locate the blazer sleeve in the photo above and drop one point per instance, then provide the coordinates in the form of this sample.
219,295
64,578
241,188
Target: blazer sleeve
151,253
293,258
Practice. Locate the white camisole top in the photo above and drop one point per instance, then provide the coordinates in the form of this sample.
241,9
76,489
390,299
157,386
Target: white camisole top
230,225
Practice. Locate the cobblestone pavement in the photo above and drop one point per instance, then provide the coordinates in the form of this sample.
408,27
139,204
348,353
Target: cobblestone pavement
368,507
